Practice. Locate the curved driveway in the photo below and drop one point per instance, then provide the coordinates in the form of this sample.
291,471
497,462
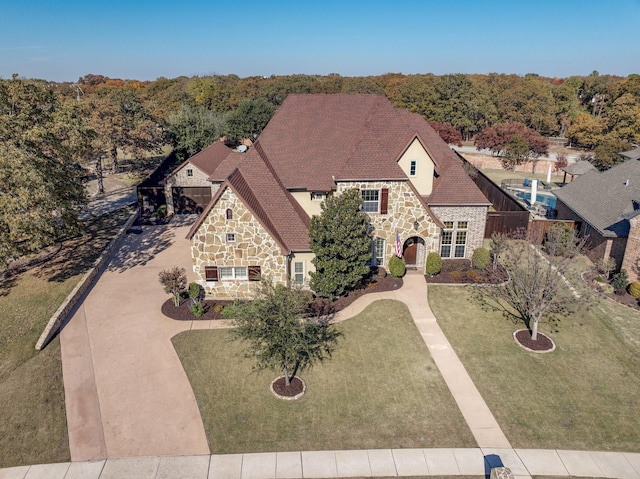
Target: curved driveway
126,391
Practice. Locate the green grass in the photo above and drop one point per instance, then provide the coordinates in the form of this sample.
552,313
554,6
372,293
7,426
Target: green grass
381,389
585,395
33,427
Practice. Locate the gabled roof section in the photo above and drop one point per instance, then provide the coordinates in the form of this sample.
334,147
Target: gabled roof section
454,187
605,200
269,202
315,140
208,159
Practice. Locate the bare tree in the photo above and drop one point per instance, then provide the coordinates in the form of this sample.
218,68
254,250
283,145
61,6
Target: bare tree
536,286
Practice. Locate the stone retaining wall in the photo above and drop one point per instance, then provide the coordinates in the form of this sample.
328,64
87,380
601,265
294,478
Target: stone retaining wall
83,285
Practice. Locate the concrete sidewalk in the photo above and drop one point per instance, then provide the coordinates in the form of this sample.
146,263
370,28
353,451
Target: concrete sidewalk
333,464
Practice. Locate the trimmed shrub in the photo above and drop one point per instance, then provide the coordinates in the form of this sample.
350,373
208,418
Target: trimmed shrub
397,266
481,259
197,309
455,275
434,263
634,289
195,291
472,275
620,282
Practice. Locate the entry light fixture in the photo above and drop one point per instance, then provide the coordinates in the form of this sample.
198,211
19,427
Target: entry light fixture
416,225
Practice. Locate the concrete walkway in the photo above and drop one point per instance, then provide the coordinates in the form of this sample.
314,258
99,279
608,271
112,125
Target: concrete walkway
330,464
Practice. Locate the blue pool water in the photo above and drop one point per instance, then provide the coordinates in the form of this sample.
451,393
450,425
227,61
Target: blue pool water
547,199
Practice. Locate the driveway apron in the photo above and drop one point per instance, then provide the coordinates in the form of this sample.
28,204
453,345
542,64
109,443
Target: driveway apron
126,391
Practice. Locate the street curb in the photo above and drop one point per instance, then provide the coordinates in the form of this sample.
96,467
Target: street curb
83,285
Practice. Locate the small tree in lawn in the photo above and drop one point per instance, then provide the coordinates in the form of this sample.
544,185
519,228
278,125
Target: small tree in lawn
341,241
535,287
279,334
174,282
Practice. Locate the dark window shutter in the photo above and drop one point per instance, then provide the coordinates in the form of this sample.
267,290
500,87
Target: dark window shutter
254,273
384,201
211,273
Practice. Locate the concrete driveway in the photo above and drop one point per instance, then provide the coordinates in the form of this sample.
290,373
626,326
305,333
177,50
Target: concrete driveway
126,391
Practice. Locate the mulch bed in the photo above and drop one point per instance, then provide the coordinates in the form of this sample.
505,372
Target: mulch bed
543,343
295,387
322,306
624,298
460,271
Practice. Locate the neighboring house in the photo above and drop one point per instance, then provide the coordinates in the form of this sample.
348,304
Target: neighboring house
606,208
412,184
188,189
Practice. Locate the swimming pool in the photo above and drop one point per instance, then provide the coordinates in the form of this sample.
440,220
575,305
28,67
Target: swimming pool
548,199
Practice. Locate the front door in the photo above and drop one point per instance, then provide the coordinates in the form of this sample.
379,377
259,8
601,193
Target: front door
410,251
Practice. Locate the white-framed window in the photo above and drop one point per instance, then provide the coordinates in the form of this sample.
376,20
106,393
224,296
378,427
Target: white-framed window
189,172
377,252
371,200
315,196
412,168
233,272
231,237
298,272
453,242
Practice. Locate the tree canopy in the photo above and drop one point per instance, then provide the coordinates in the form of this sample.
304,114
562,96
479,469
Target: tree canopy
341,241
41,190
279,333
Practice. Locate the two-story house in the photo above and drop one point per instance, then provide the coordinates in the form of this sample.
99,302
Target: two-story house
412,185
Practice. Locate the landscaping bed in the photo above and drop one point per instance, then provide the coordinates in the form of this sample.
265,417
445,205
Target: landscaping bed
460,271
213,308
602,287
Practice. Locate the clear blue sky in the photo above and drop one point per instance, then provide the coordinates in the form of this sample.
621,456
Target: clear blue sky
141,39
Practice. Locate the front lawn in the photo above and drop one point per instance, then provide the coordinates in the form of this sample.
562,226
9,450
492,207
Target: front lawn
381,389
585,395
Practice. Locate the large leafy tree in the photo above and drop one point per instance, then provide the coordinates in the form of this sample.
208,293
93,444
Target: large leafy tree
249,119
514,141
192,129
41,188
341,241
123,122
278,331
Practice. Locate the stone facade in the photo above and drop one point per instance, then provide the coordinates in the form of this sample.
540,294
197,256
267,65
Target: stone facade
404,209
181,179
476,216
253,246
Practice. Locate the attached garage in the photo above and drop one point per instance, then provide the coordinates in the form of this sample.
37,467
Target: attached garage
190,199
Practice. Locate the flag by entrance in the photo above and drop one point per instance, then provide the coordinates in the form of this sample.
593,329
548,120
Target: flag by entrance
398,246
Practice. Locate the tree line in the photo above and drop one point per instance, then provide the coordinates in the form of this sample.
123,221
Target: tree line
49,130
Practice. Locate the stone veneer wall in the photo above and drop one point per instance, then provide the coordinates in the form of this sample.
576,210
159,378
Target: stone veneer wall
253,247
181,179
475,215
404,208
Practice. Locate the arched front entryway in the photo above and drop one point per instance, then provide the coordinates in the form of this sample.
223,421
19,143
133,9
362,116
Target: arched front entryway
413,252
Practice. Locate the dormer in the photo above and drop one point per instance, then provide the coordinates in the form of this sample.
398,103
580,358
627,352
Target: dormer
418,166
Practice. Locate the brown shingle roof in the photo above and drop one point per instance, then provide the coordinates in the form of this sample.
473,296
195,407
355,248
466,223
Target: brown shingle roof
208,159
314,140
269,202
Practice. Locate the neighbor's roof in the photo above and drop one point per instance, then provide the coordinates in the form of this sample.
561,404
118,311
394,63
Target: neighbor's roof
579,168
631,154
269,202
605,200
